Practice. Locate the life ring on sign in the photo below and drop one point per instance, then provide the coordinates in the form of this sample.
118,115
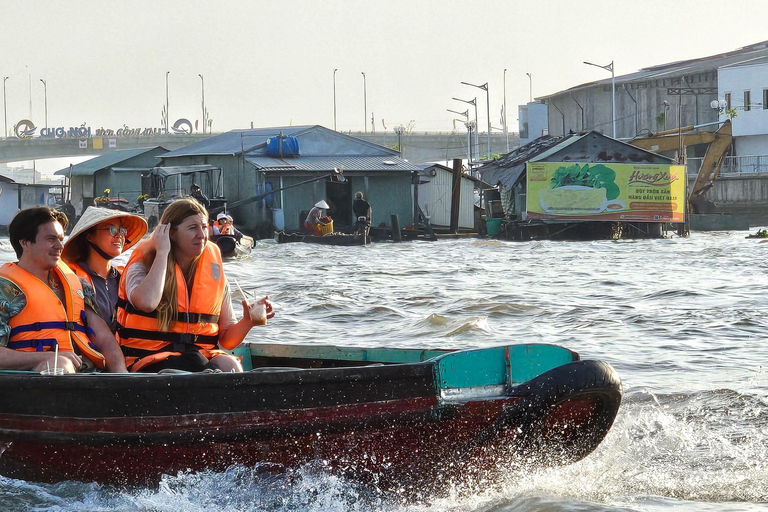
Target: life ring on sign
24,129
182,126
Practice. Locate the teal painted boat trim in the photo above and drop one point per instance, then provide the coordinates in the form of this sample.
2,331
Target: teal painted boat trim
472,368
529,361
328,352
509,365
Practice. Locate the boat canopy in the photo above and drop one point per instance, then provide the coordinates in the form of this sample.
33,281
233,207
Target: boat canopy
182,169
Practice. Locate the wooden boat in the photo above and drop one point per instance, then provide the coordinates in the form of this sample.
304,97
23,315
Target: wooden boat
402,418
282,237
230,246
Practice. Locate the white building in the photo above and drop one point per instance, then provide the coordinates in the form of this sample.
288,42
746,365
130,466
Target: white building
743,87
533,121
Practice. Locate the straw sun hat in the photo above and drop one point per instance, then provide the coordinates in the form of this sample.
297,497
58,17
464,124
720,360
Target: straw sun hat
136,226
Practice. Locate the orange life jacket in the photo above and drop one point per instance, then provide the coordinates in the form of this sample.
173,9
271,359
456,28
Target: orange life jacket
195,326
77,269
64,326
225,229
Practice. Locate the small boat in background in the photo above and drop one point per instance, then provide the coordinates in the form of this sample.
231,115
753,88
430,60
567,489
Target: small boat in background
404,419
231,247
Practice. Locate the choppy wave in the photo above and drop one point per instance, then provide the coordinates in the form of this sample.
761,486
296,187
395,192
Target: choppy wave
682,320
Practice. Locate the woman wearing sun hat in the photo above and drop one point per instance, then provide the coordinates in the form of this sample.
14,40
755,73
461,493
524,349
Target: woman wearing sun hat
315,219
98,237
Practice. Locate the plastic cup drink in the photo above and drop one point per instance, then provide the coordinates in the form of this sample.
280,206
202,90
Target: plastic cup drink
52,371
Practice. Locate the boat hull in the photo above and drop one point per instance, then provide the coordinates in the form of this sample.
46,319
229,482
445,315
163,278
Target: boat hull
381,423
338,239
230,247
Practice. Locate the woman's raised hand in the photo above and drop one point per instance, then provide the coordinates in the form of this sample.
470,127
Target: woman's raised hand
161,239
258,311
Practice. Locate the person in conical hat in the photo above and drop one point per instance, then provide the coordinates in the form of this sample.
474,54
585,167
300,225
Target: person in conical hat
98,237
315,219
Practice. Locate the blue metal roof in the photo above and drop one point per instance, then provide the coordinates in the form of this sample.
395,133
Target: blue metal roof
89,167
327,164
314,140
235,142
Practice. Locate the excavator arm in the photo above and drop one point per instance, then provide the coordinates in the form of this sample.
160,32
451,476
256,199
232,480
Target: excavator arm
718,141
713,161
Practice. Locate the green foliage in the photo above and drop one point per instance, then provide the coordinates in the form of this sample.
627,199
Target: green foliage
730,113
597,176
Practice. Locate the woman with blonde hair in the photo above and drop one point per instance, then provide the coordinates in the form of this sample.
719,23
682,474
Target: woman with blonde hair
175,309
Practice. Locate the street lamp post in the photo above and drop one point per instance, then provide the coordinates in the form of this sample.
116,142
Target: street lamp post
474,104
609,67
5,108
365,105
399,130
488,108
167,115
530,87
334,98
469,136
506,132
45,88
202,85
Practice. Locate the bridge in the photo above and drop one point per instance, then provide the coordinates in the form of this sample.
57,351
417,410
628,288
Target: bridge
416,147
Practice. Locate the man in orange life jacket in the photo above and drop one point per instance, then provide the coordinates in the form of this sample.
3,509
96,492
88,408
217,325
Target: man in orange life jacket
43,304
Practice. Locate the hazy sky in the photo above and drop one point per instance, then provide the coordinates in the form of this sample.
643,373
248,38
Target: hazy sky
272,62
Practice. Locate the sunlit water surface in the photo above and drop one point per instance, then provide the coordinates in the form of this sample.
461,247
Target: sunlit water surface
683,320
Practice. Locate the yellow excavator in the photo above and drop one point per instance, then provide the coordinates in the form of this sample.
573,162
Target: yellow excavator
670,140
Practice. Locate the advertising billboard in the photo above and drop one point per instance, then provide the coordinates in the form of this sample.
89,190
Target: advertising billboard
606,192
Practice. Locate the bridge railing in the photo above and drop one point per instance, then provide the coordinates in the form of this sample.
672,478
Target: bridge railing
732,165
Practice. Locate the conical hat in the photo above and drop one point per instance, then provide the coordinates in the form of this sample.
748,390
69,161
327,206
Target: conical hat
136,226
322,204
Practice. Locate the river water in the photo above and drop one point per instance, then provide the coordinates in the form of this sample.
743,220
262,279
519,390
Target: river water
683,320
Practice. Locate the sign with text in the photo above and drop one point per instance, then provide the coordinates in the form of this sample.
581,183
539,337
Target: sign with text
605,192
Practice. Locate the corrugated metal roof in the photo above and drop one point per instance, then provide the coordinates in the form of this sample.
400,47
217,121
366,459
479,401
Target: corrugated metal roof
89,167
585,147
235,142
326,164
183,169
741,56
423,167
507,170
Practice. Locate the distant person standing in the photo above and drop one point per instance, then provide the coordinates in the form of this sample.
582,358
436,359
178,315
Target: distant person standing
198,195
362,210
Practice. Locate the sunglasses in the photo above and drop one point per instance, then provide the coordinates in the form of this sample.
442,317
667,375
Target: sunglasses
115,231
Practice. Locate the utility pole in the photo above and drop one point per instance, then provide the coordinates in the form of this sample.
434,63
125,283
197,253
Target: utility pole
45,88
202,84
488,109
506,132
167,115
334,98
365,105
5,108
